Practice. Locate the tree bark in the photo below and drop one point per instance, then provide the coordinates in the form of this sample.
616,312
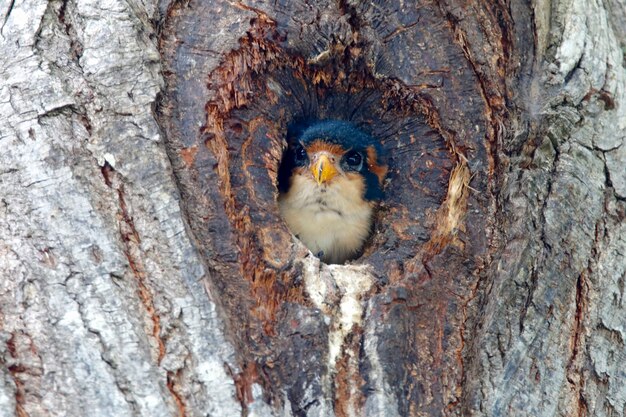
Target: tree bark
145,267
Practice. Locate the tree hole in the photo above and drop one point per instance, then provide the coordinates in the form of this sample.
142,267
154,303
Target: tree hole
262,95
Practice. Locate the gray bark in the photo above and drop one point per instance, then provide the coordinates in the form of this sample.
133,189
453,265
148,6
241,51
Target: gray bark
551,340
104,309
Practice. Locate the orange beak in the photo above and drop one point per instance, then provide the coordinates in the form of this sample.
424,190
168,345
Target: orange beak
323,169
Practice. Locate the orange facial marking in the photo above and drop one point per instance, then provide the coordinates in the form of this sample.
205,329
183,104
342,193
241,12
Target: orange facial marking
319,146
379,170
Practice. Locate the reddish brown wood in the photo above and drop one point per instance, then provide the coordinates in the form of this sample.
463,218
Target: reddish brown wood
429,82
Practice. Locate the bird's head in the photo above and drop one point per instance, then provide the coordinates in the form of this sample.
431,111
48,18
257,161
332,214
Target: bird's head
332,151
329,179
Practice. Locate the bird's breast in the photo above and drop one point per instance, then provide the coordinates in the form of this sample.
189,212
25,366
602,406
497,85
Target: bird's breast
332,219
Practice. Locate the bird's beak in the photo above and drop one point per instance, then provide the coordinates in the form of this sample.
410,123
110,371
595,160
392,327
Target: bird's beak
323,169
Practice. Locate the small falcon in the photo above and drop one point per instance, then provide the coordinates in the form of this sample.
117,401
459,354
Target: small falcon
329,182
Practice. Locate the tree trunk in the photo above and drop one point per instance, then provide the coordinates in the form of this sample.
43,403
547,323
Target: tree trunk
146,269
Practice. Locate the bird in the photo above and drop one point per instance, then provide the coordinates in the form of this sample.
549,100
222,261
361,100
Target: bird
330,181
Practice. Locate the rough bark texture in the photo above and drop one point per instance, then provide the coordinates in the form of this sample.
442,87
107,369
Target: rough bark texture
103,311
146,270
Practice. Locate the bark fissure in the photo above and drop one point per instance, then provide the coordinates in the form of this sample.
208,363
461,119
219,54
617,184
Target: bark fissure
15,371
6,15
172,381
132,250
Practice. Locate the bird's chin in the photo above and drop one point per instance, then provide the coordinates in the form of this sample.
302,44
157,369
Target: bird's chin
330,218
323,188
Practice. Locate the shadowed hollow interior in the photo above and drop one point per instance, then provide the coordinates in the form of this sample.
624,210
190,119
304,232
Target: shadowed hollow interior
249,119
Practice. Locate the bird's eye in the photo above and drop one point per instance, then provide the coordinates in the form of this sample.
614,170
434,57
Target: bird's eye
300,154
353,159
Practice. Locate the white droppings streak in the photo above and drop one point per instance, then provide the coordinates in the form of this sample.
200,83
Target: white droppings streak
337,290
380,402
345,283
315,287
353,282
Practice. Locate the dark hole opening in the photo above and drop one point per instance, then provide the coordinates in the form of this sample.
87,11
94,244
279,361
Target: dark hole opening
287,95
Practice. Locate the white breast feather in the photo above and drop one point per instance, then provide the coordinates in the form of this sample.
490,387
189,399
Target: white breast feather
335,222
